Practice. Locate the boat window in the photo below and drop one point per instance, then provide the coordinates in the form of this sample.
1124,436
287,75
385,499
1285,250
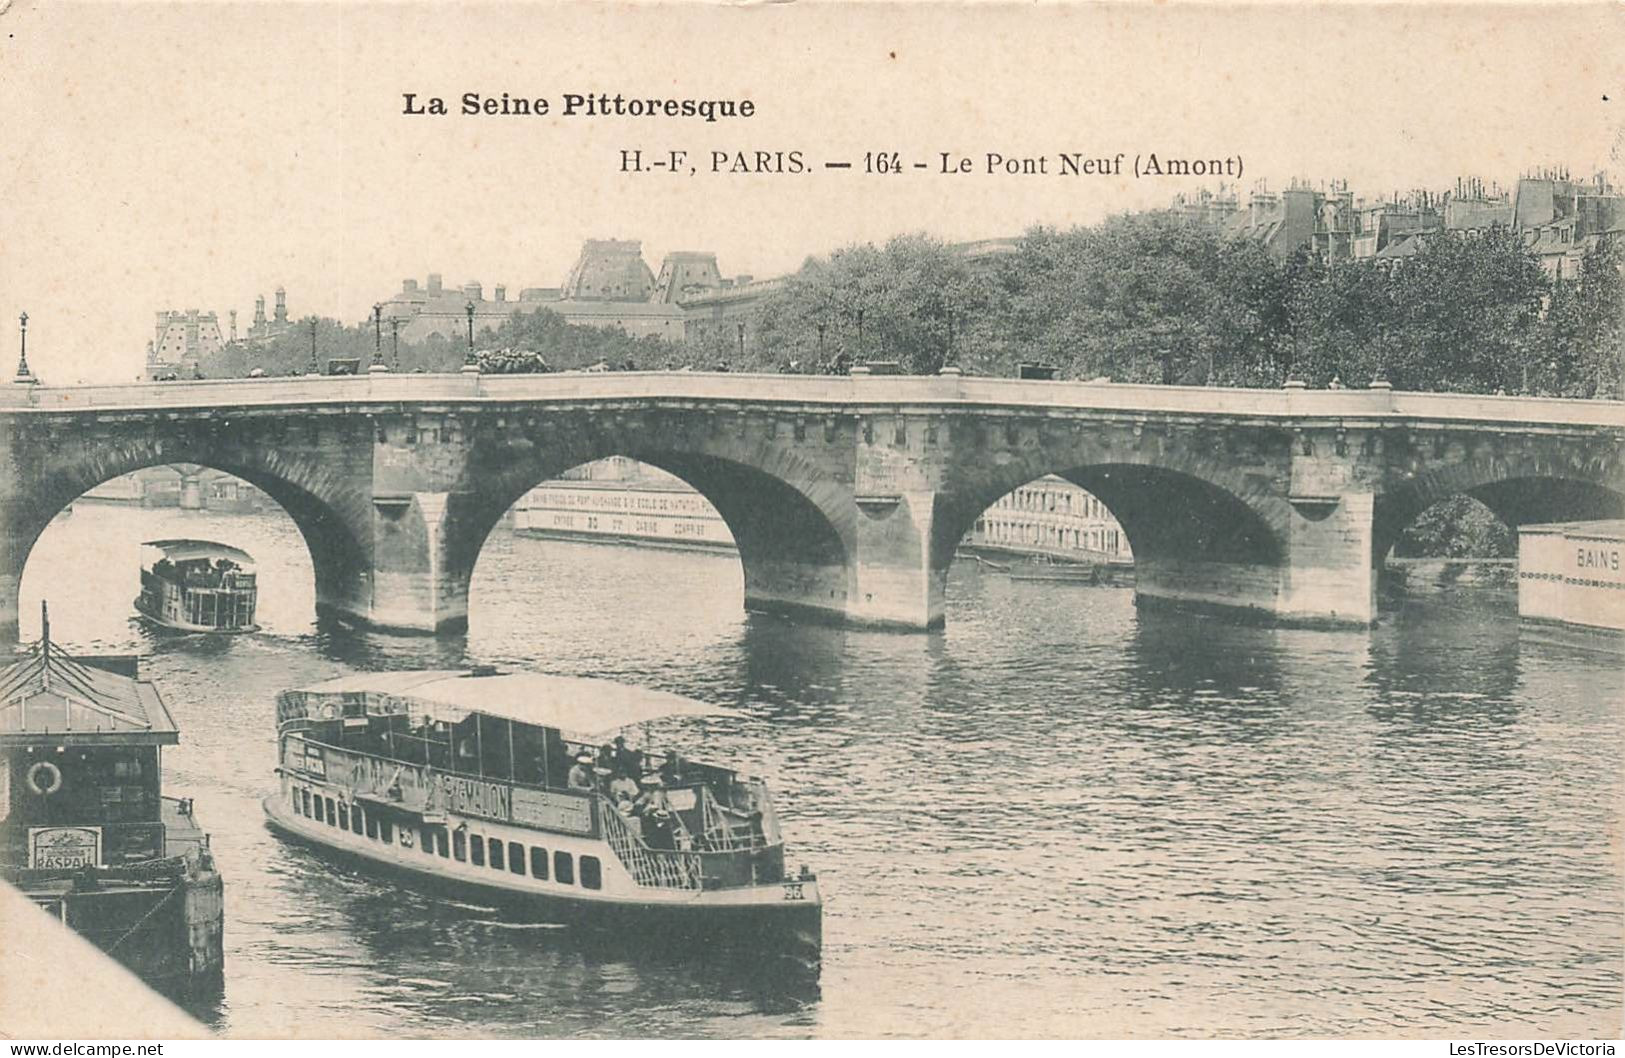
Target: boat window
344,816
476,850
355,818
592,876
564,868
459,846
496,854
372,825
516,857
538,863
385,831
332,817
426,841
440,840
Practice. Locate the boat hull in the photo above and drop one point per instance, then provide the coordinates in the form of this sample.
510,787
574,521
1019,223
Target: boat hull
184,626
165,928
758,922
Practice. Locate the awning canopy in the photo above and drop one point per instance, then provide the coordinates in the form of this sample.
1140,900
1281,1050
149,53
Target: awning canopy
48,695
189,550
570,704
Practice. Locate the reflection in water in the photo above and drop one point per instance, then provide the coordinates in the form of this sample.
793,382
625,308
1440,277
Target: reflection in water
1059,814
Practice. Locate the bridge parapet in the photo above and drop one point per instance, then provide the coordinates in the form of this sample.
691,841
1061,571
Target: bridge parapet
920,394
847,494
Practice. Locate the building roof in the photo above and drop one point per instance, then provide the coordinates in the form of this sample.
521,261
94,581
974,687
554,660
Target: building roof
1405,246
1612,529
568,309
182,550
48,693
573,705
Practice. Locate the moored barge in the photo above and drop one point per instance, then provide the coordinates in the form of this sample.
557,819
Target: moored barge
85,831
544,794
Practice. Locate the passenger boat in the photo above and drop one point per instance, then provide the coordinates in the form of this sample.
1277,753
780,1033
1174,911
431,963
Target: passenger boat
85,831
198,586
508,788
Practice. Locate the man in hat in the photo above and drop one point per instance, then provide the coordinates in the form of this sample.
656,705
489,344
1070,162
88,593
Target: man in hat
581,776
654,808
623,790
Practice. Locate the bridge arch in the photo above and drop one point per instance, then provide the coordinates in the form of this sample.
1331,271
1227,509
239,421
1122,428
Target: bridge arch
327,509
791,522
1519,491
1176,510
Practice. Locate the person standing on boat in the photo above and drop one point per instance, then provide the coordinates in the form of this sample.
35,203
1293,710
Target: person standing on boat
623,790
654,808
626,762
581,776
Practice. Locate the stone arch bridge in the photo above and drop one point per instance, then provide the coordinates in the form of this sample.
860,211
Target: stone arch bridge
847,496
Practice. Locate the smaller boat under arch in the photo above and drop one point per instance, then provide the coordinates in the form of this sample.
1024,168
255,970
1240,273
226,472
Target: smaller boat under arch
198,586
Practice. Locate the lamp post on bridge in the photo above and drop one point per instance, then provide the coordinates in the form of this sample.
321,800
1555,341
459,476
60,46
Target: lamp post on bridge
378,339
741,327
395,340
468,310
314,368
24,375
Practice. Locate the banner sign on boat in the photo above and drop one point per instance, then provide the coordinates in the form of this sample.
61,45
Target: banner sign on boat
552,811
475,797
55,847
302,756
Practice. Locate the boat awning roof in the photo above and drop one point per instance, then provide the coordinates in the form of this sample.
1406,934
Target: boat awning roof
571,704
48,695
187,550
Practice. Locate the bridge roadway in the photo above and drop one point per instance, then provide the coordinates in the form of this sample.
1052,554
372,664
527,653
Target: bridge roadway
846,495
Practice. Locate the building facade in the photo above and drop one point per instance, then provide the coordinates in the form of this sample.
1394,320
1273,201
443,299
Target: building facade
182,340
1052,518
610,285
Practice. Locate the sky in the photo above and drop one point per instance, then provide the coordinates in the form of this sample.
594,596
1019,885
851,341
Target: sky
173,156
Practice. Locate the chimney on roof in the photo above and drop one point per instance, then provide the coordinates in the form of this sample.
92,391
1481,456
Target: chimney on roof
472,291
501,292
409,286
434,284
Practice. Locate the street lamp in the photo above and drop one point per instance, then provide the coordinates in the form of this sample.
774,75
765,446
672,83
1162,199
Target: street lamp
314,369
377,334
862,349
468,310
23,374
741,328
395,340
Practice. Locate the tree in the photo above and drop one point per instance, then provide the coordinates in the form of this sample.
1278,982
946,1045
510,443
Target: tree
1146,297
911,300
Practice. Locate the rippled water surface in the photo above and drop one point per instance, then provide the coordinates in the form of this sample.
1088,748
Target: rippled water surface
1058,817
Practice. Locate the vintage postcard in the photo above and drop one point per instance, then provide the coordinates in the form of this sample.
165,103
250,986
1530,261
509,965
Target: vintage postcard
817,520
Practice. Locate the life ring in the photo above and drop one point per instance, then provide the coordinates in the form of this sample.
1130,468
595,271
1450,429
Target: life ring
52,778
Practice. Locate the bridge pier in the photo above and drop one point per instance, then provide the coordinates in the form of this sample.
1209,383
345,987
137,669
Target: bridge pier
1325,577
894,582
411,586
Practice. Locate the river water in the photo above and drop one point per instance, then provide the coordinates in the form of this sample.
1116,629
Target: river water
1058,817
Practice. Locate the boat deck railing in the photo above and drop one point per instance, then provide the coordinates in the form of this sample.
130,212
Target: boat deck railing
659,868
